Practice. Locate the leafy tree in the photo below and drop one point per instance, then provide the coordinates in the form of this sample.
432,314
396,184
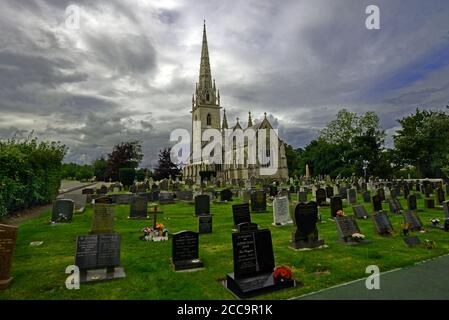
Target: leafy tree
141,174
124,155
127,176
165,167
100,169
293,160
422,142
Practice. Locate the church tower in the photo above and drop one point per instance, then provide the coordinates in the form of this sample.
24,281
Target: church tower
206,100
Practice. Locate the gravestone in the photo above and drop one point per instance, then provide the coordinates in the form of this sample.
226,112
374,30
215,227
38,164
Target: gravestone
320,196
376,203
411,202
412,220
103,190
163,185
394,206
346,227
80,200
281,211
406,189
247,226
366,197
253,265
306,233
381,194
103,219
302,196
352,196
202,205
329,192
439,196
185,251
88,191
98,257
429,203
241,213
166,198
360,212
412,241
226,195
8,239
138,208
342,191
273,191
336,205
62,210
259,201
382,224
245,195
205,224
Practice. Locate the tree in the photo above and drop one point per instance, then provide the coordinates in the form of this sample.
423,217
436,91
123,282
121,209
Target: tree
348,125
124,155
293,160
422,142
127,176
165,167
100,169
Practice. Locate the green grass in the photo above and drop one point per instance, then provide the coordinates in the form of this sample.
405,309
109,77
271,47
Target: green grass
39,272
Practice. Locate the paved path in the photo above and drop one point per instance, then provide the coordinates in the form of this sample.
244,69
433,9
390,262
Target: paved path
424,281
76,186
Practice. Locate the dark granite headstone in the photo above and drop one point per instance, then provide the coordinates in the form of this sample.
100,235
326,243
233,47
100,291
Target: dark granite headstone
346,227
99,252
411,202
8,239
366,197
329,192
360,211
393,205
202,205
62,210
226,195
381,193
253,265
412,220
382,224
376,203
241,213
247,226
80,200
336,205
186,195
302,196
185,251
429,203
412,241
352,196
273,191
439,196
306,233
205,224
320,196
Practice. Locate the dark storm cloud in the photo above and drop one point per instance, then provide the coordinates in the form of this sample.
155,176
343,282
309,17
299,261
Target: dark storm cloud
129,71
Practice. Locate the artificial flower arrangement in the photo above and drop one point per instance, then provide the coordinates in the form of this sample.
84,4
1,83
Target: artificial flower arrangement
282,273
435,222
158,233
358,236
340,213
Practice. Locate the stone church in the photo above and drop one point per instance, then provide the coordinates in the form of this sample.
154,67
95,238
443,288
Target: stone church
206,110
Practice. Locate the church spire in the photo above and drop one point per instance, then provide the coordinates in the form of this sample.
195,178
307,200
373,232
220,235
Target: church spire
205,87
224,125
250,120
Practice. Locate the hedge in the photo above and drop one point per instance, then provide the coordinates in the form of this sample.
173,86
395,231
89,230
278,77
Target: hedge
30,173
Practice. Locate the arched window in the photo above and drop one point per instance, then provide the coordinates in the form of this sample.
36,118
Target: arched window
207,96
209,120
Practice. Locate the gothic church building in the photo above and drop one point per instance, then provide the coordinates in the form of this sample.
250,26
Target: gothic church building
206,109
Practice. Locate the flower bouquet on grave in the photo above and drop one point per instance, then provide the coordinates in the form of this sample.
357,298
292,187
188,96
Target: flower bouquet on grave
282,273
340,213
157,233
435,222
405,229
358,237
61,218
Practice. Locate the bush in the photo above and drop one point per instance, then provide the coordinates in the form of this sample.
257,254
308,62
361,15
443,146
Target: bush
126,176
30,173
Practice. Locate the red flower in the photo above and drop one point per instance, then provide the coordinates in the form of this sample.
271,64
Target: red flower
282,273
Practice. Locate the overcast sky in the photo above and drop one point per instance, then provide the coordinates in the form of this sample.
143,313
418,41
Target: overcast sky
129,71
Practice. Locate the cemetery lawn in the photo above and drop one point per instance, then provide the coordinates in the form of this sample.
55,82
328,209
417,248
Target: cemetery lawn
39,272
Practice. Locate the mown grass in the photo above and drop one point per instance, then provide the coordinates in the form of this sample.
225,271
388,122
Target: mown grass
39,272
